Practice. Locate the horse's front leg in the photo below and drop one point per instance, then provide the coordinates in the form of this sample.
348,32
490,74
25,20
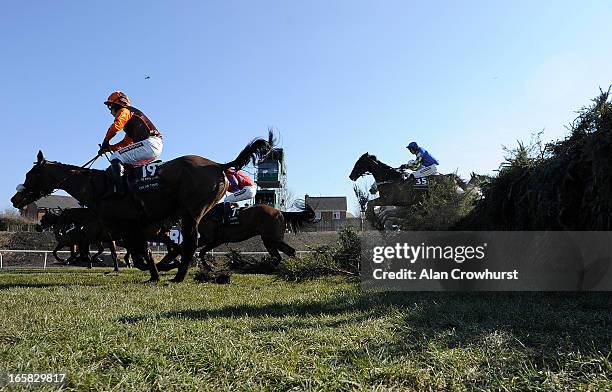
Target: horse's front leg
151,263
58,248
168,262
113,251
74,254
189,245
86,255
83,253
126,258
139,250
142,251
96,257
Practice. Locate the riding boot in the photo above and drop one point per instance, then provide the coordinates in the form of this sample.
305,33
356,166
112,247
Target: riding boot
224,219
118,178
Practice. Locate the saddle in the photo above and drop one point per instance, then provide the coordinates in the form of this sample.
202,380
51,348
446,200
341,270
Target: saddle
142,179
226,214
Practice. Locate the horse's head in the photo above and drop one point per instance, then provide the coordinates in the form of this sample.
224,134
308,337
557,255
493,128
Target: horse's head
362,166
48,220
477,179
37,184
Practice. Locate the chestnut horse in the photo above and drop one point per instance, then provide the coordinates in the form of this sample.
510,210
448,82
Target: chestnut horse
193,185
263,220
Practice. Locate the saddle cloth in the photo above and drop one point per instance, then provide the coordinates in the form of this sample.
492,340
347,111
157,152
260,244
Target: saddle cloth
145,178
225,214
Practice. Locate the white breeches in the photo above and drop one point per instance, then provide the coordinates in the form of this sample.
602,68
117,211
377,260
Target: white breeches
425,171
140,153
246,193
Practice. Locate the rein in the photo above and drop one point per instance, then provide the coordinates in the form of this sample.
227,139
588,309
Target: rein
387,171
90,162
87,165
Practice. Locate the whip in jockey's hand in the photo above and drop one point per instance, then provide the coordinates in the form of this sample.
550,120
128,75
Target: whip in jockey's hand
424,165
141,144
104,148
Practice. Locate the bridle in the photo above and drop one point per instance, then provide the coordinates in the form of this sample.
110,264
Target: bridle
43,193
362,163
378,164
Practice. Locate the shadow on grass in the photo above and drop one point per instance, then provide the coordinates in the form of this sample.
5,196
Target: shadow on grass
545,323
342,304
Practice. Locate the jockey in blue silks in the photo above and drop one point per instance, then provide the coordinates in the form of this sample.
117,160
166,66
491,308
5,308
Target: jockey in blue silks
424,165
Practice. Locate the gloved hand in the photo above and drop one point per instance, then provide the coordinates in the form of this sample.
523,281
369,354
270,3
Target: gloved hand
104,147
412,165
403,166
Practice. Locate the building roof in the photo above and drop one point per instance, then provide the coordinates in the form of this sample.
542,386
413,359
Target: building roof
326,203
57,201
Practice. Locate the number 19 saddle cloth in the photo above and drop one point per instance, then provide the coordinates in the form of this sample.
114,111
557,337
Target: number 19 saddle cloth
145,178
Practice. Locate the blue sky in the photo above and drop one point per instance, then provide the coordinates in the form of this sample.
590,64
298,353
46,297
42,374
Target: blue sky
336,78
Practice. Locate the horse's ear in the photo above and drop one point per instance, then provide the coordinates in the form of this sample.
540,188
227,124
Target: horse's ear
40,158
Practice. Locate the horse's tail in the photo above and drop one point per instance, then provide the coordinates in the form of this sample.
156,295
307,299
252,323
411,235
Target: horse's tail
295,220
256,149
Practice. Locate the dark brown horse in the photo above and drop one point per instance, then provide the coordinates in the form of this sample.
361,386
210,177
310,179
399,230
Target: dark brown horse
394,186
78,228
193,185
263,220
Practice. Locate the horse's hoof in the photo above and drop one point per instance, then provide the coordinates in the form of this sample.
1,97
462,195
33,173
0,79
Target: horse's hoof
152,280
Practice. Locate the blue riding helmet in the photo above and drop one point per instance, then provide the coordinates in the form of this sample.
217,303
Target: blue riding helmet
412,145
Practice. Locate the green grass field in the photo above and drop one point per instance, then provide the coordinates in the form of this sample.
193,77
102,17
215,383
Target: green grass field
262,333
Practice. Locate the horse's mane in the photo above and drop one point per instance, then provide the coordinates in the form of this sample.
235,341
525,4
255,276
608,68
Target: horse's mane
384,165
74,167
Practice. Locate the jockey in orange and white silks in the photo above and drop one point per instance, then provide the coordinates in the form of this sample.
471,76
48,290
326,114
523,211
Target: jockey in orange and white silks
142,142
241,186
